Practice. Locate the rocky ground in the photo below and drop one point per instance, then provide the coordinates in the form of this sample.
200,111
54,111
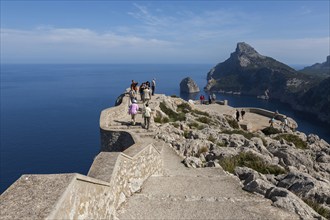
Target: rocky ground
291,169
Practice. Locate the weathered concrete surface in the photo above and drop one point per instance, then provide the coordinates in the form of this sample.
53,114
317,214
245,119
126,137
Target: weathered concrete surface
33,196
254,119
206,193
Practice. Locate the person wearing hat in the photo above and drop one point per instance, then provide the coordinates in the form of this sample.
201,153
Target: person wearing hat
133,110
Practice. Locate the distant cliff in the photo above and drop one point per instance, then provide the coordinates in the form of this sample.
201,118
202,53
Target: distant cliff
318,68
251,73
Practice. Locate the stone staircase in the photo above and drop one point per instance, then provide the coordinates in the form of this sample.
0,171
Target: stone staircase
205,193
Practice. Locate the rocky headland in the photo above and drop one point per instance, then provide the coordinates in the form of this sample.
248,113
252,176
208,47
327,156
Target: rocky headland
290,168
250,73
318,68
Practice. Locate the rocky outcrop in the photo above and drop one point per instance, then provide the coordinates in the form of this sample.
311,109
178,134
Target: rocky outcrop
248,72
251,73
188,85
318,68
278,167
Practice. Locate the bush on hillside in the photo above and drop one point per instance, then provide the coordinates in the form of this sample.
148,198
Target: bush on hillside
270,130
250,160
297,141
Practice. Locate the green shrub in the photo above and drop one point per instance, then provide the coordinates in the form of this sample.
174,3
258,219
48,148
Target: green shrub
186,134
221,144
211,138
176,125
249,160
233,123
297,141
184,107
270,130
173,116
158,119
202,150
161,120
196,125
204,120
197,112
318,208
174,96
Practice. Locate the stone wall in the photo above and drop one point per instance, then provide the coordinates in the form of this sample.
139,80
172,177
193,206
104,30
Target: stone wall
114,112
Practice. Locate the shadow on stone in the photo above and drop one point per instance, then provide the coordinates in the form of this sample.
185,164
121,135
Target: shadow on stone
115,141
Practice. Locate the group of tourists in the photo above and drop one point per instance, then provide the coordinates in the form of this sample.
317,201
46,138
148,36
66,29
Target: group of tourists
284,120
144,90
145,93
212,98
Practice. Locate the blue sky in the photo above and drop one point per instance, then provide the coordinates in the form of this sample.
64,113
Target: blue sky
293,32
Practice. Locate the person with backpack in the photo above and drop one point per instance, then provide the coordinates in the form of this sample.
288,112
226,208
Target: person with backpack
146,114
133,110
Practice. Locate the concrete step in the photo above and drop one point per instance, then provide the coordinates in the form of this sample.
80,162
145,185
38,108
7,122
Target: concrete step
142,206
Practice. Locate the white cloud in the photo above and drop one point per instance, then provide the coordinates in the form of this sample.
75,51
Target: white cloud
74,42
295,51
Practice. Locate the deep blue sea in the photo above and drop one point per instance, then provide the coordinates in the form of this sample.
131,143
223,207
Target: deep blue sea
50,113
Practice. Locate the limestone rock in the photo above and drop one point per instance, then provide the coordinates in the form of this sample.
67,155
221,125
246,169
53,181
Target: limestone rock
188,85
283,198
193,162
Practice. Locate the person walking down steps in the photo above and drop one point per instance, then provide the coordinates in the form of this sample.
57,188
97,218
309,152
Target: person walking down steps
146,114
133,110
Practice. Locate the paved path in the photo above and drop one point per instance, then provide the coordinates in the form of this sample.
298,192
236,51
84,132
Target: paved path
258,122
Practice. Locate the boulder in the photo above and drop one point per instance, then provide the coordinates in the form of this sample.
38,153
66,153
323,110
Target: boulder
285,199
188,85
193,162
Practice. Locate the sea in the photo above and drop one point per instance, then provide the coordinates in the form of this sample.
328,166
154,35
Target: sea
50,112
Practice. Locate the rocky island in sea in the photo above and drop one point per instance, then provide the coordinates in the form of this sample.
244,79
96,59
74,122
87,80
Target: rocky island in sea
248,72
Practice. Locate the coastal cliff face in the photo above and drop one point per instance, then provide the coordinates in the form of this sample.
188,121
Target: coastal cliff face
251,73
317,100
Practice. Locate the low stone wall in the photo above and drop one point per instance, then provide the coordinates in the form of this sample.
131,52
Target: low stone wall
264,112
292,123
114,112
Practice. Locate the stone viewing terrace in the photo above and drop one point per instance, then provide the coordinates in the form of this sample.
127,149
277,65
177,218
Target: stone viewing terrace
139,176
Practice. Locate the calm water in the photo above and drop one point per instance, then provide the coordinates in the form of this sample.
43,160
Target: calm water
50,113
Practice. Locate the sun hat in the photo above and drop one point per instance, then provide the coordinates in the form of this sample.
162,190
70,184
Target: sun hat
134,101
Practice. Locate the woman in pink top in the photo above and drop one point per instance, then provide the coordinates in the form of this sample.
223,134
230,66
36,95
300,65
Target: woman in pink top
133,109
